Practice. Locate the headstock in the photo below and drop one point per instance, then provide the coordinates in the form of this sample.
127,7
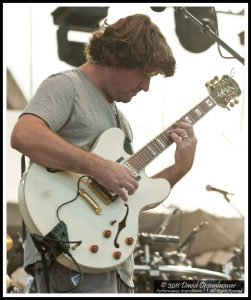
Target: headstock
224,91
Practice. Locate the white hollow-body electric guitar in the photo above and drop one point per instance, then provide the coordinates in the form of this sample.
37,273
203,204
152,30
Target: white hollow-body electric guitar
105,227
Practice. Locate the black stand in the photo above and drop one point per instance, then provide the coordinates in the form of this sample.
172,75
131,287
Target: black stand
23,168
205,28
228,200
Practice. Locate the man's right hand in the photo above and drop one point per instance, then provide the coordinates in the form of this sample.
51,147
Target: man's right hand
36,140
116,178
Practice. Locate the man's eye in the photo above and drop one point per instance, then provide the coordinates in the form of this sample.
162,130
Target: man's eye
148,74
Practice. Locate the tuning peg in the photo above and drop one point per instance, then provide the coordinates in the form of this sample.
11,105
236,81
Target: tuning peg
207,84
216,78
231,104
236,101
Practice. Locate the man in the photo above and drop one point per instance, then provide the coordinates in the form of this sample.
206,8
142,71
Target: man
71,109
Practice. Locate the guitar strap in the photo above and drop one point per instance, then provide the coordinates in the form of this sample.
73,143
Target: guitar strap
125,126
23,168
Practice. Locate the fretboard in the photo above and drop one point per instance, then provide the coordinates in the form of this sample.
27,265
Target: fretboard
156,146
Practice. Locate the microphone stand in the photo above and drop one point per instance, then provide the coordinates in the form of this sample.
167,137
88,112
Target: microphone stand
228,200
205,28
161,229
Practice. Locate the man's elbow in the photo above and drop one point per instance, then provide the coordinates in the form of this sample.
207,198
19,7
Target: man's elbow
17,139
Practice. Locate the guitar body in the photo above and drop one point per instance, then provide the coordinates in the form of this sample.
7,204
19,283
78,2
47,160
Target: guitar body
41,193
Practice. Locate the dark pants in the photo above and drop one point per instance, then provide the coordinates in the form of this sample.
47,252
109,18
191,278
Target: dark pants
61,279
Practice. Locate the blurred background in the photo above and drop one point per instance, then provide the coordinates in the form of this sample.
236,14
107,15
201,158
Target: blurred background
42,39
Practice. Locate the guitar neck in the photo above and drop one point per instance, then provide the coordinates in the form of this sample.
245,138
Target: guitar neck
156,146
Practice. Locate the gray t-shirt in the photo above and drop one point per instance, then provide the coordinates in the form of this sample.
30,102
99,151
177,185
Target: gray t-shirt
77,110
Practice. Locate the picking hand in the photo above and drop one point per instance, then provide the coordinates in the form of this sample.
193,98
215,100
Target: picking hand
117,179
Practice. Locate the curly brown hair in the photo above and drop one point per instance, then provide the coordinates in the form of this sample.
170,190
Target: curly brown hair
133,42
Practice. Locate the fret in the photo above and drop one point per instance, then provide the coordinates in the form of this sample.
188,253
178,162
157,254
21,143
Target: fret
193,115
151,150
188,119
135,162
166,138
209,102
160,143
203,106
157,145
198,111
163,140
144,158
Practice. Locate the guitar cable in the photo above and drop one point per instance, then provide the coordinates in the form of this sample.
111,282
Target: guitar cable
73,198
61,245
45,241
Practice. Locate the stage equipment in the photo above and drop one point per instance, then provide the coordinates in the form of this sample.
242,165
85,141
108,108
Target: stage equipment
211,188
151,265
235,266
225,194
9,242
85,19
192,39
190,36
158,8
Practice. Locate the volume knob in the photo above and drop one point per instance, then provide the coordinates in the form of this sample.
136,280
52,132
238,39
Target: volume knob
107,233
116,254
129,241
94,248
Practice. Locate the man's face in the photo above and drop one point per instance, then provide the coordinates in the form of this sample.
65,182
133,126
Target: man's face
124,84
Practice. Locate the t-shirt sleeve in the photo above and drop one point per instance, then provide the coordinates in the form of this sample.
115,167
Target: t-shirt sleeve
53,101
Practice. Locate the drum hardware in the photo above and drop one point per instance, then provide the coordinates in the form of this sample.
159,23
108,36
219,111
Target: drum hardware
148,261
145,275
152,238
235,265
147,240
173,265
161,229
191,236
196,273
176,258
179,258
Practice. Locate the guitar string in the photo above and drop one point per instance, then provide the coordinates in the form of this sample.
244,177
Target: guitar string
139,161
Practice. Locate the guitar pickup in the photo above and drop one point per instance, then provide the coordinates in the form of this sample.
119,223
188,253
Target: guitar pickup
101,192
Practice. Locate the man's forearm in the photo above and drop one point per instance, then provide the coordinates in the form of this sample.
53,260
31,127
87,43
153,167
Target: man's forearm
173,174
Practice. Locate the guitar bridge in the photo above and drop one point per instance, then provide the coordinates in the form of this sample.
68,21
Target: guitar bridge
90,201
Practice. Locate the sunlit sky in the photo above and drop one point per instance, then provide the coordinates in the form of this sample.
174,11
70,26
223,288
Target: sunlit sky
30,52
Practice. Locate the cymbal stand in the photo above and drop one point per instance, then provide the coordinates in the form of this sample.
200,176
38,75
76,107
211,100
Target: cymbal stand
147,253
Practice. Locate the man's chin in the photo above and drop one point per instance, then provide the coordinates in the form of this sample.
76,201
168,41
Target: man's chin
126,100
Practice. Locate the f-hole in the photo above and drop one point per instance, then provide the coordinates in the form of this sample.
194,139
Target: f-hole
122,224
